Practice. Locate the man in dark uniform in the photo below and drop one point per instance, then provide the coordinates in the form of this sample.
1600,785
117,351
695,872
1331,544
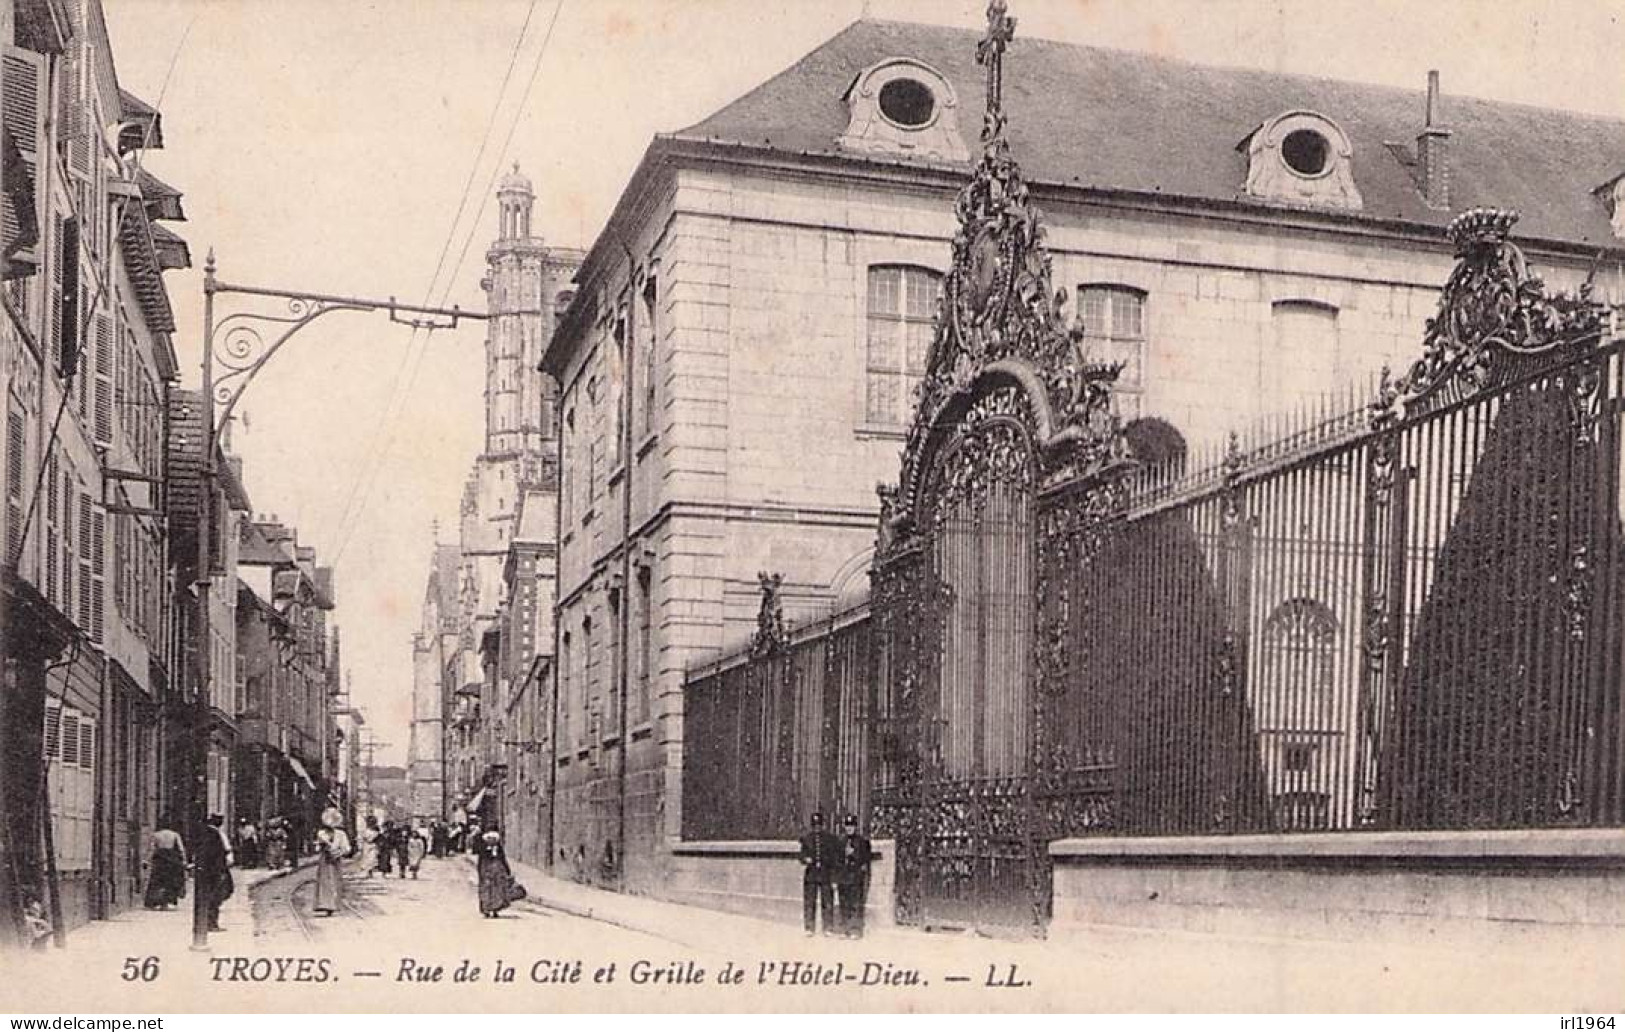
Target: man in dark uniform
212,873
852,877
820,854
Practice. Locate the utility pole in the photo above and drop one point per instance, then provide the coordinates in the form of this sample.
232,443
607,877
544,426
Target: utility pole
237,344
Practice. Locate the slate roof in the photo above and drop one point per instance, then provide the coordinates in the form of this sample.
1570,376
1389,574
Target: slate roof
1127,122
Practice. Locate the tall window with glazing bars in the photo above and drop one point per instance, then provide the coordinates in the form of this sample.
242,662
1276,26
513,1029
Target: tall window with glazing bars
902,303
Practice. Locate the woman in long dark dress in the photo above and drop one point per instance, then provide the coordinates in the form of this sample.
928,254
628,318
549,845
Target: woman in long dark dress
166,877
496,879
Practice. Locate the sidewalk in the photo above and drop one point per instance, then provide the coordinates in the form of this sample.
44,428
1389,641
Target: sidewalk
1115,968
138,931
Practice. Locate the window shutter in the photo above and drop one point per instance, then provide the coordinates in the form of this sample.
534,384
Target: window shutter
68,551
98,573
85,568
67,297
87,743
81,383
53,729
15,474
70,737
22,90
104,380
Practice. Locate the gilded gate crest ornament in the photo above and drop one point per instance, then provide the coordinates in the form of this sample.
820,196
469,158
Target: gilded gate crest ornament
1001,320
1493,311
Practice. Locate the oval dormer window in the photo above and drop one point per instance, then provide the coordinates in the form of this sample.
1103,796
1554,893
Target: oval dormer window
1306,152
908,103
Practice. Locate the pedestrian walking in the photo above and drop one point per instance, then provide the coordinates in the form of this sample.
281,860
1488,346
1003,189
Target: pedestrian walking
498,889
166,869
386,846
212,877
820,852
248,843
369,846
332,846
276,843
417,846
852,877
401,845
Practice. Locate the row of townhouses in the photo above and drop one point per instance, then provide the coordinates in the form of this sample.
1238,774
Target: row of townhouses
116,711
731,369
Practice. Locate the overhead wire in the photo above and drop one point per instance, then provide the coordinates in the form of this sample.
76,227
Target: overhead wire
418,341
373,472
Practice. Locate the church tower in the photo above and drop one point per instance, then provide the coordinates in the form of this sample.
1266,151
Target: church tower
521,284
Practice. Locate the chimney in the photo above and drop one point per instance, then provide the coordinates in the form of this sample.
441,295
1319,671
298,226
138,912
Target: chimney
1433,152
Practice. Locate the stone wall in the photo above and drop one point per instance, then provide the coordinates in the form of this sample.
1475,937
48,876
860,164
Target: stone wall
1336,886
763,879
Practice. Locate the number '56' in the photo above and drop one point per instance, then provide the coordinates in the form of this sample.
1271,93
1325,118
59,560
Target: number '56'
140,969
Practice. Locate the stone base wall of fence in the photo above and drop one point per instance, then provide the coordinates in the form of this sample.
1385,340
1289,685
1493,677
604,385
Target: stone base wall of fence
763,879
1404,885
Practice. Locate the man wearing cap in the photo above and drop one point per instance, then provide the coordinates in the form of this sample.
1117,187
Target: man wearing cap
820,854
852,877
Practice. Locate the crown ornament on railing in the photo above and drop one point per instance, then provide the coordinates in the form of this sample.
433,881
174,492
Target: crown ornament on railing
1001,316
1494,317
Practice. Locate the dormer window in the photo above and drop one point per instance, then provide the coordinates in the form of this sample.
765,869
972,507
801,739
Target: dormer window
1301,157
904,107
908,103
1306,152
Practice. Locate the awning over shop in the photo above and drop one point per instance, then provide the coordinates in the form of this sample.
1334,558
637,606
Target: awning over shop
474,804
299,769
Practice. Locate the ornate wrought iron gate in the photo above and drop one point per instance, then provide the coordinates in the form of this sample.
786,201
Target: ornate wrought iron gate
1008,414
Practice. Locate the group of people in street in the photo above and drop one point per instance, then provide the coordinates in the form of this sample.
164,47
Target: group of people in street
210,863
394,846
835,877
385,847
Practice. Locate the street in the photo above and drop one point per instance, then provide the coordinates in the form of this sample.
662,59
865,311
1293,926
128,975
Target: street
422,945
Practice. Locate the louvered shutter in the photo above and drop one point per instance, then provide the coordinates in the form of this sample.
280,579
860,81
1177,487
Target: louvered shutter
70,737
98,572
16,455
87,743
104,380
53,729
86,570
87,355
67,297
21,89
68,549
52,516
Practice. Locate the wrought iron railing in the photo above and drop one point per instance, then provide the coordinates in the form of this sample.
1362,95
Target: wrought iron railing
778,732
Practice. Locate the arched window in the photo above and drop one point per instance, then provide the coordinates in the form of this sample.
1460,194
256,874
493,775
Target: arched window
1305,364
902,307
1297,711
1113,321
1300,647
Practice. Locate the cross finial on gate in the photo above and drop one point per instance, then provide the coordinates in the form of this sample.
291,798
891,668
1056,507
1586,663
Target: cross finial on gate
1001,29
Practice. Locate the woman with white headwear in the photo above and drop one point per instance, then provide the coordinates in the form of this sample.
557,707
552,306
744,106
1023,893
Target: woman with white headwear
332,846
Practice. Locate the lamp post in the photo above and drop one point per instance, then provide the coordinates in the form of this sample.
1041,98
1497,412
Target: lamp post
237,342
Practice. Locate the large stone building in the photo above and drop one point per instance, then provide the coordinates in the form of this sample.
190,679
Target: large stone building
738,364
86,624
478,641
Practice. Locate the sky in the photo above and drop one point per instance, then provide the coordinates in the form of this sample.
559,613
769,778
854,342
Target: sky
335,146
